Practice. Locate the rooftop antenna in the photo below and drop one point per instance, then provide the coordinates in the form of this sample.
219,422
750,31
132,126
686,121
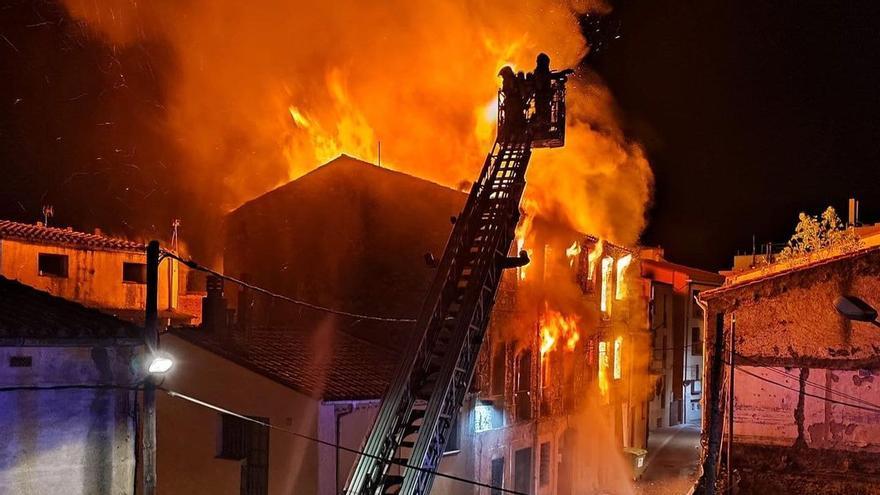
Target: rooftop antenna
48,212
380,154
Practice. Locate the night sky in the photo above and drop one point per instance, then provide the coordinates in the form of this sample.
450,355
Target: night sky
750,112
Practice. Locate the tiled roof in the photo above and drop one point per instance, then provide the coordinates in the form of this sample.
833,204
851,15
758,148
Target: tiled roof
27,313
321,362
41,234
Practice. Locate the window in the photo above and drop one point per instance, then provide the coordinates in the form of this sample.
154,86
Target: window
52,265
544,468
618,358
524,386
696,342
497,475
622,265
453,438
242,440
487,416
604,303
522,475
134,273
498,369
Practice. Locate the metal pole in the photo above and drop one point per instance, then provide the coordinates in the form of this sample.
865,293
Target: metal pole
730,400
151,336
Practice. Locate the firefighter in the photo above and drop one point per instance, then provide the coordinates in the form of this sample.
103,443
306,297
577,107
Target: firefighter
543,90
514,110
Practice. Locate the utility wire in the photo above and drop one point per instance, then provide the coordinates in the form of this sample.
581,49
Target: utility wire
219,409
814,384
826,399
78,386
197,266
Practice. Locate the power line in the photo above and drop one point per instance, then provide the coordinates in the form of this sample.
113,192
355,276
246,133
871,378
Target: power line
826,399
219,409
197,266
78,386
814,384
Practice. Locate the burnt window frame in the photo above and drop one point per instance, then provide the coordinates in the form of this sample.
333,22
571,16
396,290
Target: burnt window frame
64,265
545,453
141,279
497,481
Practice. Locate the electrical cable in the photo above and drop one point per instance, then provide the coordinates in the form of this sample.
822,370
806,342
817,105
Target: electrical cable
814,384
826,399
197,266
219,409
78,386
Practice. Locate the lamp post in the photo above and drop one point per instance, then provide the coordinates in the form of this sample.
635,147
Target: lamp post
151,336
854,309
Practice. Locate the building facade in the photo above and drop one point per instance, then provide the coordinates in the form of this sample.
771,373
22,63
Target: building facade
562,365
68,408
676,324
804,379
95,270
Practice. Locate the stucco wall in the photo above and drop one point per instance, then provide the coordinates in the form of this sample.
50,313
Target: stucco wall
767,414
94,277
71,441
188,433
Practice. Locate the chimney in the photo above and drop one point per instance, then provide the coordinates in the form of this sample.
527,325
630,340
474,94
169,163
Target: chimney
214,307
853,217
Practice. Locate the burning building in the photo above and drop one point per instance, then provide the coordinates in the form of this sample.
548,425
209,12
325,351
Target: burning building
805,407
561,377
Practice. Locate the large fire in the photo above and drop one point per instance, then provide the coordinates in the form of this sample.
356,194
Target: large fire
556,327
260,96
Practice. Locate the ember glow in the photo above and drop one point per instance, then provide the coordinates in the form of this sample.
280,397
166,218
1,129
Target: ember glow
622,264
558,328
572,253
260,96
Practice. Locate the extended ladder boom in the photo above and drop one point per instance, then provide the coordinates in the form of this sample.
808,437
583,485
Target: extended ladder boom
409,435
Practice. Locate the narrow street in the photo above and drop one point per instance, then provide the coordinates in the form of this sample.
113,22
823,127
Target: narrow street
672,461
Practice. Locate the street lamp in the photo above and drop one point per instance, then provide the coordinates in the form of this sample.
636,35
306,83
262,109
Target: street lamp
853,308
160,364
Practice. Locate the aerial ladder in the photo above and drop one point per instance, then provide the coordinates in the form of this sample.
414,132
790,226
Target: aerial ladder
417,414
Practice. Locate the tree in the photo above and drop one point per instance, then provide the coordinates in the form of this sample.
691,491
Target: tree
819,233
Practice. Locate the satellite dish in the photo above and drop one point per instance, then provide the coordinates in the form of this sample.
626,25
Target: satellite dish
853,308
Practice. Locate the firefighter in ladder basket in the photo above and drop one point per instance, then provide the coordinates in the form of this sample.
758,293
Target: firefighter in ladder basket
542,81
515,96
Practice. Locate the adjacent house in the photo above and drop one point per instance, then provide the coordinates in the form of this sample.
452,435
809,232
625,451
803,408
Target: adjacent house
560,390
806,404
93,269
676,324
67,396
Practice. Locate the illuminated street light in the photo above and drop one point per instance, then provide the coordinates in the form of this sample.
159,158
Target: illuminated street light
160,365
853,308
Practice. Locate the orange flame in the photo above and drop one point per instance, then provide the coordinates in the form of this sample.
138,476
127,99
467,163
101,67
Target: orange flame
556,327
338,77
572,253
524,230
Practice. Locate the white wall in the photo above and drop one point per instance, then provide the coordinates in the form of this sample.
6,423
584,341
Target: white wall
188,433
72,441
